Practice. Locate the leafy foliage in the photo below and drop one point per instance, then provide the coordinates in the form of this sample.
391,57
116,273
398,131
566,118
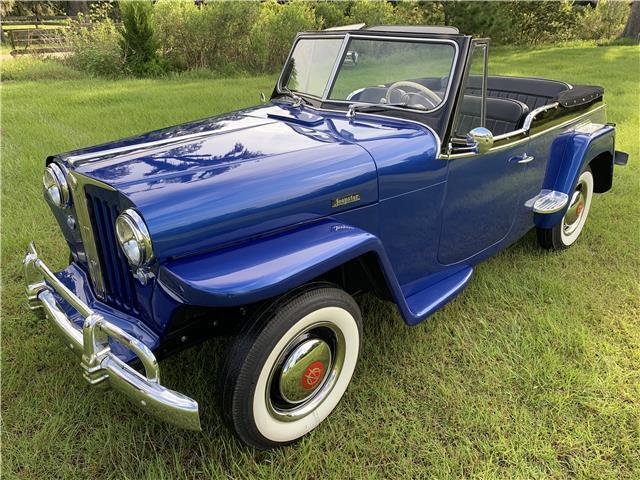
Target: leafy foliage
95,49
372,12
330,14
272,34
230,37
138,42
214,36
604,21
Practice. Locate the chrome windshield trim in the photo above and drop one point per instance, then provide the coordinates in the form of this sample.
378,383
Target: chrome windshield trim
346,37
336,66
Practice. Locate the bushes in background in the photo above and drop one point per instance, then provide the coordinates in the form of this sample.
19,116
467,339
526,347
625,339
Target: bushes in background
137,38
605,21
251,36
271,35
95,49
330,14
214,36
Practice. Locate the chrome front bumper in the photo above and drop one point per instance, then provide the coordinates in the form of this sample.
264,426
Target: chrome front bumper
92,344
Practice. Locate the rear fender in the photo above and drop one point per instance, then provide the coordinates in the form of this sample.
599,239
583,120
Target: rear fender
588,144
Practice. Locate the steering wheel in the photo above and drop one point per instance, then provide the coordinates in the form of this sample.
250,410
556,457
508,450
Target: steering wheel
427,94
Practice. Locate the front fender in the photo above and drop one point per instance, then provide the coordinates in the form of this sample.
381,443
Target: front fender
569,155
266,267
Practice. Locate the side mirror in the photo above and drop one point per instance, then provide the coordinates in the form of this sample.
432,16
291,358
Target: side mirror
481,139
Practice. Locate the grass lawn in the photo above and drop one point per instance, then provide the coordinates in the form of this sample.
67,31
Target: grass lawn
533,372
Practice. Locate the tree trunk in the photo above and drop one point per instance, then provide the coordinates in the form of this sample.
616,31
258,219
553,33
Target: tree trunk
632,28
76,7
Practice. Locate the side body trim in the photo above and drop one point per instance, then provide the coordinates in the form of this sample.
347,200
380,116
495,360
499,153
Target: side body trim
525,131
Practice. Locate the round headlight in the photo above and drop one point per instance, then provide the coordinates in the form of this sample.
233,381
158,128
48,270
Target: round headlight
134,238
55,185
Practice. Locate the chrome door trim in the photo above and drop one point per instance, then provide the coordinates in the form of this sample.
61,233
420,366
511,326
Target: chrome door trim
524,130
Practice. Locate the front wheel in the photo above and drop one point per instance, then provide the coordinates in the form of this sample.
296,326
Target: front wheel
567,231
288,369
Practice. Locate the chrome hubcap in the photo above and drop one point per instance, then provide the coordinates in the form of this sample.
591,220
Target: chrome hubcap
306,371
574,214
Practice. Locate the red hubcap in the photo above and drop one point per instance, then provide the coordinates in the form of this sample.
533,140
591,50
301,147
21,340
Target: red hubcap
312,375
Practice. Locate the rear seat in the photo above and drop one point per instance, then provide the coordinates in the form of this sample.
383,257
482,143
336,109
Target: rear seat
503,115
534,92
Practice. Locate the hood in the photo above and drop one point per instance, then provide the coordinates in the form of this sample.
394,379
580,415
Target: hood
219,180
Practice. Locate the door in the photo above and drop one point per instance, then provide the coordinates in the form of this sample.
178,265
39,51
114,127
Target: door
483,188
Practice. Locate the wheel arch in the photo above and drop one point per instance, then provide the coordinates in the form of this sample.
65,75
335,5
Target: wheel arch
593,146
266,268
602,169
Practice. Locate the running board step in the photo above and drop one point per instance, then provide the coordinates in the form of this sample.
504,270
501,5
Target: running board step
548,201
423,303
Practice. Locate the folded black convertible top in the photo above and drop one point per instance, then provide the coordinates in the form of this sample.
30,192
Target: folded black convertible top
579,95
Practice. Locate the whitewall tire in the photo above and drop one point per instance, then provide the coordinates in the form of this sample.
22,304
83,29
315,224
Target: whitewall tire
567,231
289,367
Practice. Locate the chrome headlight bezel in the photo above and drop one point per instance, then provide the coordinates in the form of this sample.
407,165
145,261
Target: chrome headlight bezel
133,238
56,186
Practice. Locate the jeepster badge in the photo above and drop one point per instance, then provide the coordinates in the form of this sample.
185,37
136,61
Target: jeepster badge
339,202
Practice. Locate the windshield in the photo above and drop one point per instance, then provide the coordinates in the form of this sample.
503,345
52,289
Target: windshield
404,73
309,67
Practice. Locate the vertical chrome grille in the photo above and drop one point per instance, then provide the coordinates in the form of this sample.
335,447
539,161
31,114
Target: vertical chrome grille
78,183
96,206
119,286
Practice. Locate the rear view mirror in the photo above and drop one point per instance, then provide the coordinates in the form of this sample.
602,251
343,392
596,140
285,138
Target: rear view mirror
481,139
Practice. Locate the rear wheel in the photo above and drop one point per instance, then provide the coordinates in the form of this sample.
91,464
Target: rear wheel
567,231
288,369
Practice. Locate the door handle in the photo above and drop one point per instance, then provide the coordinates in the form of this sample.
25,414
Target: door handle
524,158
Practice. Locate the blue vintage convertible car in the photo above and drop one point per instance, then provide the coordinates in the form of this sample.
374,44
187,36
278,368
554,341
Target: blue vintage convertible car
386,160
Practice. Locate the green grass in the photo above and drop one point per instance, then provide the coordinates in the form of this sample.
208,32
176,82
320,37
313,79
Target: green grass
533,372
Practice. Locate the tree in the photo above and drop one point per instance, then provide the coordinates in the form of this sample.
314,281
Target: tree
632,28
138,39
5,9
76,7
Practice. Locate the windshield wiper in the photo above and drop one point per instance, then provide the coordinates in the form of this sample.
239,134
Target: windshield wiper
378,107
297,99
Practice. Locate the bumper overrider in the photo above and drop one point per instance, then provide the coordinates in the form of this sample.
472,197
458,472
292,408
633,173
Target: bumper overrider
91,342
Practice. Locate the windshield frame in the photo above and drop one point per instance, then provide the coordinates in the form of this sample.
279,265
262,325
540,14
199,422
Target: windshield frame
346,38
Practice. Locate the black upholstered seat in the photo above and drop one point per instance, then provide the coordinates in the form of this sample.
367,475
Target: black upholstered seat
534,92
503,115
